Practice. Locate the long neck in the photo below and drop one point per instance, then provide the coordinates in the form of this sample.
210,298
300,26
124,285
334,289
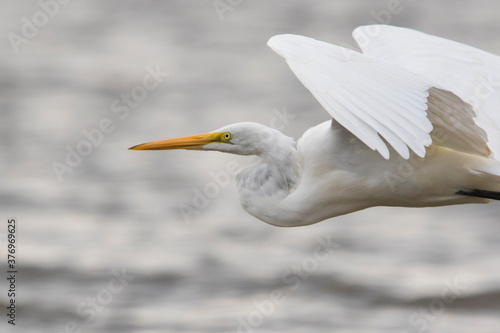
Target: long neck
263,186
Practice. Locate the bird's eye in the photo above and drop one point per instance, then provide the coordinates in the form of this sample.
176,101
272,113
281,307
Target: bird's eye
227,136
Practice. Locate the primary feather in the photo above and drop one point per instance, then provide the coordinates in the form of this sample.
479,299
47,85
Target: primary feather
373,94
470,73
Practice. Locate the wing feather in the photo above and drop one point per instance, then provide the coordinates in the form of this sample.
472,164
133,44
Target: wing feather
364,132
354,105
395,124
470,117
371,99
454,125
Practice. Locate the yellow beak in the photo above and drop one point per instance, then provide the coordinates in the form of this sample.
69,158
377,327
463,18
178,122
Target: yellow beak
188,142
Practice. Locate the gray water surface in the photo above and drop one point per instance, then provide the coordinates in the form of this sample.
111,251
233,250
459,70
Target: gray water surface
125,241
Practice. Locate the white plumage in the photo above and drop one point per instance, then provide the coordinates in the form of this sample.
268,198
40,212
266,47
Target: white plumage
415,123
470,73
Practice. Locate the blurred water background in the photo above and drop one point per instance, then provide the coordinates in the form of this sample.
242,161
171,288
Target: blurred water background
124,241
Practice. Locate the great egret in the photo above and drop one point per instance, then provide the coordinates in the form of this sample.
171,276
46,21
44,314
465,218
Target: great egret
416,123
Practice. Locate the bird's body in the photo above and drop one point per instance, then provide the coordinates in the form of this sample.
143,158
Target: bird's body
397,137
330,173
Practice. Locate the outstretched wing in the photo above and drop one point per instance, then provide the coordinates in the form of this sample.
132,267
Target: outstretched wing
374,99
364,95
470,73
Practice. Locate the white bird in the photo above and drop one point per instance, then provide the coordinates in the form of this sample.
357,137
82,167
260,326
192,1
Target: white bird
416,123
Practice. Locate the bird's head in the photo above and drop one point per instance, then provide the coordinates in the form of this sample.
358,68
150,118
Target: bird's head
240,138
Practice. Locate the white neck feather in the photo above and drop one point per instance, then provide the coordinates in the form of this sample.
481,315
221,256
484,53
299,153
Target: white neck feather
263,186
